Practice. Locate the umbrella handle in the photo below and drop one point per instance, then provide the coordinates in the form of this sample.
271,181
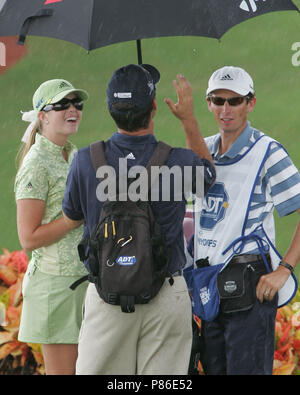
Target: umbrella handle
139,51
26,23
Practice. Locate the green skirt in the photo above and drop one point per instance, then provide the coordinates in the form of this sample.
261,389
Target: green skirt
51,312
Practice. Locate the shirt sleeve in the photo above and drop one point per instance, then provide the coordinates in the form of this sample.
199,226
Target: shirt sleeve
32,182
283,181
208,171
71,204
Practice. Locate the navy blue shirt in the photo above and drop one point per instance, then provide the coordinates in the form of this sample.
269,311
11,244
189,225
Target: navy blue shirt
80,200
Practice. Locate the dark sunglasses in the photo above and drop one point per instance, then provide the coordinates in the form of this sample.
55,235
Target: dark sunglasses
232,101
64,104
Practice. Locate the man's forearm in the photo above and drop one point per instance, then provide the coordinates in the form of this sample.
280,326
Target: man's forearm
194,139
292,256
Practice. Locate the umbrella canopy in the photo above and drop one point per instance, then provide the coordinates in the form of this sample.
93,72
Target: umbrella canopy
96,23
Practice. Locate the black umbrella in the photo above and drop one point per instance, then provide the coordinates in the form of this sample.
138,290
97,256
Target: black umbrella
96,23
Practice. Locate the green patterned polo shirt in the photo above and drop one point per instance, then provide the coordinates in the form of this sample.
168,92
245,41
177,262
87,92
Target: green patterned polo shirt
43,176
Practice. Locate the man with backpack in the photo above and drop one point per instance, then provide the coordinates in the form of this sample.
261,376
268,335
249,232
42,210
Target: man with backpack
137,313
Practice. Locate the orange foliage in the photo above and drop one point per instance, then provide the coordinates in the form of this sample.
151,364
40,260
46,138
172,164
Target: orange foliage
287,339
15,357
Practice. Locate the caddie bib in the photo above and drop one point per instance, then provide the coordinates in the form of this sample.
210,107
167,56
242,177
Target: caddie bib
221,218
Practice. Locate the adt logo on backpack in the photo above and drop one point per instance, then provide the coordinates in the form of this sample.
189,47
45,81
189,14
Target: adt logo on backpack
126,260
215,205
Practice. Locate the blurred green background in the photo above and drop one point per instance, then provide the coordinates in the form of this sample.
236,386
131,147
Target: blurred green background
262,45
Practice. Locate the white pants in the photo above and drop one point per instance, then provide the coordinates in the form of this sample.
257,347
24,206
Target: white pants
155,339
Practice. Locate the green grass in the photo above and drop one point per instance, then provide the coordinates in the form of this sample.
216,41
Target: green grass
261,45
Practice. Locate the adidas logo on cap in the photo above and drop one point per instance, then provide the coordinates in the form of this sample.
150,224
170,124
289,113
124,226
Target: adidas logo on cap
64,85
226,78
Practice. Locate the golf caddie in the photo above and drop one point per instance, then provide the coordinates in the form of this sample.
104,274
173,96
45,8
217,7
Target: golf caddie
240,278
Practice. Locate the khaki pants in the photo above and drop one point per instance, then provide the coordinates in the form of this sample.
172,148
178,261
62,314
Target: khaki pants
155,339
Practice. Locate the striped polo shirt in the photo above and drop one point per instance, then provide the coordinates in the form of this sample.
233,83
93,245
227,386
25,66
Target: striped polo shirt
278,184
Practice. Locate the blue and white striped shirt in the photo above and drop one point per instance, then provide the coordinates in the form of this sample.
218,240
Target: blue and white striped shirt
278,185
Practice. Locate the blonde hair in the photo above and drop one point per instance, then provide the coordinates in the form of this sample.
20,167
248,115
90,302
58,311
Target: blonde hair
25,147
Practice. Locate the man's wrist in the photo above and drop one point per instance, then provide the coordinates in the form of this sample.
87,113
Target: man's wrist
190,125
189,119
287,266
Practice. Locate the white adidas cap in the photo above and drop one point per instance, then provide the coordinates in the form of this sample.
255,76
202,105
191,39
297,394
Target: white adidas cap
233,78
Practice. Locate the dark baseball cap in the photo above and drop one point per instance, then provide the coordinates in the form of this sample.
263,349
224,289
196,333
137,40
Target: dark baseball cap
134,85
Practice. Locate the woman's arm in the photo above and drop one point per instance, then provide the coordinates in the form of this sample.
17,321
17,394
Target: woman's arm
32,234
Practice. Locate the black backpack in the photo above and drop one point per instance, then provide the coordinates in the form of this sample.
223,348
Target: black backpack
127,254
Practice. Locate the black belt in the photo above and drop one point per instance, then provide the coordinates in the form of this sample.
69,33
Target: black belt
250,258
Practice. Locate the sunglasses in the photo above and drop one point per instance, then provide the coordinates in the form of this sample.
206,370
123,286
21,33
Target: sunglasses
232,101
64,104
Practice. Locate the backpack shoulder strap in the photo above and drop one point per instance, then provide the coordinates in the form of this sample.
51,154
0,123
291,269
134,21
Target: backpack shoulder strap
97,152
160,155
158,158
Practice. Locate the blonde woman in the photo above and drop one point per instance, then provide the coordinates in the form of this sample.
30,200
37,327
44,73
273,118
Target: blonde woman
52,312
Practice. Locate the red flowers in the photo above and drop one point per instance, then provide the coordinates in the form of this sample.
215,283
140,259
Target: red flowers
15,357
287,339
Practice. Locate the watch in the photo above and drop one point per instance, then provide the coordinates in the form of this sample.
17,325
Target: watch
287,265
